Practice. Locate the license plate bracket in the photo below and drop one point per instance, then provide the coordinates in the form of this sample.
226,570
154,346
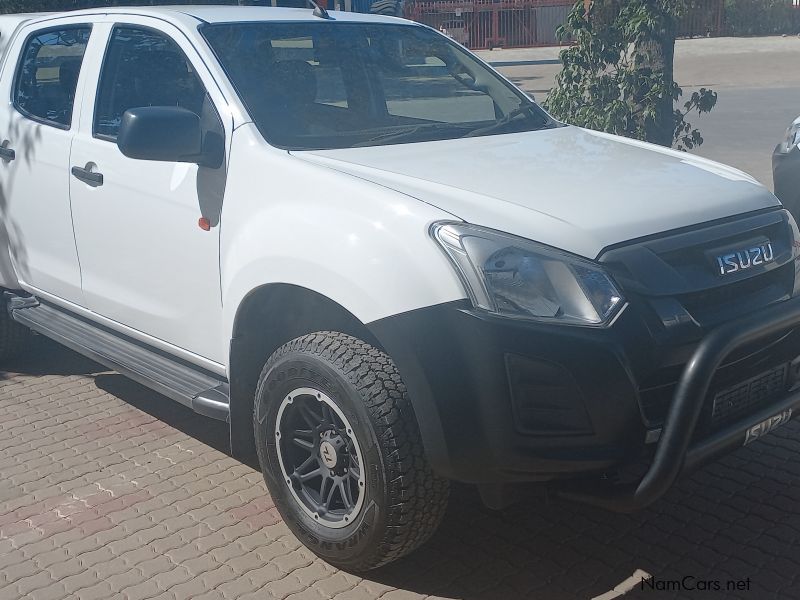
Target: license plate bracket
737,400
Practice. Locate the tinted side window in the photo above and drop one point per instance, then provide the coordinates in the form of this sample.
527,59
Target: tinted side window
48,74
143,68
290,80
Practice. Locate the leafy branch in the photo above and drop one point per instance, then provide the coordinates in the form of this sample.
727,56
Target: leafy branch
618,75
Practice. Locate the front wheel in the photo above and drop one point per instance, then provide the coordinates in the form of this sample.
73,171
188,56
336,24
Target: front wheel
341,453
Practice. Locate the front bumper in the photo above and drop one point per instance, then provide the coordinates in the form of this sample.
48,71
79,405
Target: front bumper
676,449
477,383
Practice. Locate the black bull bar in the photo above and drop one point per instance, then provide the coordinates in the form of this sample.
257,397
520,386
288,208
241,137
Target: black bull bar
673,453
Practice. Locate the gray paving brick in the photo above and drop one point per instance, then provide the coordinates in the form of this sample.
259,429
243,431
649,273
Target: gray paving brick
26,585
125,579
98,591
285,586
54,591
218,576
306,594
335,584
141,591
262,576
237,587
357,593
189,589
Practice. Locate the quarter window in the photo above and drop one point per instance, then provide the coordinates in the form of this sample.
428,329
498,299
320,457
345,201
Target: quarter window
143,68
48,74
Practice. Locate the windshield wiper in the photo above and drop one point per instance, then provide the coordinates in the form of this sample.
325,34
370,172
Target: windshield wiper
409,131
520,110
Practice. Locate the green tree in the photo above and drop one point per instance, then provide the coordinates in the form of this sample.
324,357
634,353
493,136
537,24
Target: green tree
761,17
19,6
618,76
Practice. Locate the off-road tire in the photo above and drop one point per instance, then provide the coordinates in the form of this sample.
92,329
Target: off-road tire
13,336
404,500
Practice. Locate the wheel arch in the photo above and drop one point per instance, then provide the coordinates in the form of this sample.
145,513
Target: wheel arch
268,317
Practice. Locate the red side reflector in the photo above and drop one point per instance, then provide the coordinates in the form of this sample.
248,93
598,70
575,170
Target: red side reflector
204,224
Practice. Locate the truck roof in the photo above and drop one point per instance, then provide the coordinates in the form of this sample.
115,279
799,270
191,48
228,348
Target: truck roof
227,14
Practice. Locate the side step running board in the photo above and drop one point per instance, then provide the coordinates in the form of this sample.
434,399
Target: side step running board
202,392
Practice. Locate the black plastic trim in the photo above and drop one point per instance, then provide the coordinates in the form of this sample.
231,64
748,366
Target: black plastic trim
689,229
89,177
452,360
646,266
14,302
673,452
214,403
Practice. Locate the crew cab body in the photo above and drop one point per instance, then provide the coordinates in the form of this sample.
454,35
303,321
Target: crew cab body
675,342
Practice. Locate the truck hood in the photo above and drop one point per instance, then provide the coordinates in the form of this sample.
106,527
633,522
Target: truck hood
570,188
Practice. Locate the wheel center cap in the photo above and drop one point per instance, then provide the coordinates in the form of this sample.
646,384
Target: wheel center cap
327,453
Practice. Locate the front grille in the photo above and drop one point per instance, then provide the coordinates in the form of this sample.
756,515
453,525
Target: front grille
674,284
732,300
735,402
749,378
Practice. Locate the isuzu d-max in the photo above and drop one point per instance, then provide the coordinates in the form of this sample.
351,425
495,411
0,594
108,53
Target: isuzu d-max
384,266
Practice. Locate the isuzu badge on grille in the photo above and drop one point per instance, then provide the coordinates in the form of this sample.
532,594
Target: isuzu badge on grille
739,260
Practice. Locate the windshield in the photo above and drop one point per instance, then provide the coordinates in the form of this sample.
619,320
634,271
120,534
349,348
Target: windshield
311,86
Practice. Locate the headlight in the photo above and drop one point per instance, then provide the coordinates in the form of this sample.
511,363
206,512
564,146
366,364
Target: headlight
791,139
512,276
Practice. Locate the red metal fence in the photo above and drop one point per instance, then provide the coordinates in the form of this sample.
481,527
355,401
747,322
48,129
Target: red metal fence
487,24
480,24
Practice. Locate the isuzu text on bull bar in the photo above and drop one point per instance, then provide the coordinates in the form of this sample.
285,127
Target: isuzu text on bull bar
383,265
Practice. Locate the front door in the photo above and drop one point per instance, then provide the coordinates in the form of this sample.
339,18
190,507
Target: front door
146,262
38,118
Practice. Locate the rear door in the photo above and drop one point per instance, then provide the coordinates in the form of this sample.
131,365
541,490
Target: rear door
39,114
147,264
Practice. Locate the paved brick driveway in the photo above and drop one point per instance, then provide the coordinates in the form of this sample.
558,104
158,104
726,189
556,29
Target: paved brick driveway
108,490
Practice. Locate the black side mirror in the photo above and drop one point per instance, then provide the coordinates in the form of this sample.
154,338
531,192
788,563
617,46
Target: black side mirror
164,133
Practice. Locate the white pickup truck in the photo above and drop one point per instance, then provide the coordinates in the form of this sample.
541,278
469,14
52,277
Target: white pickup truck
383,265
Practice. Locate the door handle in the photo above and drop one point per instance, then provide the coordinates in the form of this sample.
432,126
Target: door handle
7,154
87,176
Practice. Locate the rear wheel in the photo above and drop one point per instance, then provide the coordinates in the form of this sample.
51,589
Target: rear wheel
13,336
341,452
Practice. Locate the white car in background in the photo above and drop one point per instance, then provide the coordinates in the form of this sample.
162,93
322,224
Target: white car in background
786,169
